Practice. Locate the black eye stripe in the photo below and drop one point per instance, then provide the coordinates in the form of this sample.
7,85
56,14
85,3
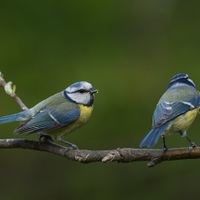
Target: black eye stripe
82,91
78,91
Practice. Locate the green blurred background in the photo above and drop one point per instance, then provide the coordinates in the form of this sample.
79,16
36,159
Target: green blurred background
129,50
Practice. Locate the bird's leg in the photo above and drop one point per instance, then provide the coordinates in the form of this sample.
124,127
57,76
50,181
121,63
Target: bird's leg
45,138
164,144
192,144
68,143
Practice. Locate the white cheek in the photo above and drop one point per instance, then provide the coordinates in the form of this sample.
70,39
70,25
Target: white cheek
80,98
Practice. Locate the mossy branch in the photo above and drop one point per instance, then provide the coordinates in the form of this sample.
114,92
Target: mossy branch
154,156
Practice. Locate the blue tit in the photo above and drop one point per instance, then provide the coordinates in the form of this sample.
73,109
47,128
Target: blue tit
59,114
175,111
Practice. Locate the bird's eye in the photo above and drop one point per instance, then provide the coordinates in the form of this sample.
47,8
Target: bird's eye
82,91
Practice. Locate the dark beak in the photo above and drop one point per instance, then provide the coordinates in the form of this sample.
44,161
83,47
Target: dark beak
93,90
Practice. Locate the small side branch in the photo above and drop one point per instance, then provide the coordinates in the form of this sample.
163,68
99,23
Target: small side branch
125,155
10,90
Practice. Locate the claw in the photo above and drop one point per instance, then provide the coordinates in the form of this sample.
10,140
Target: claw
165,148
192,146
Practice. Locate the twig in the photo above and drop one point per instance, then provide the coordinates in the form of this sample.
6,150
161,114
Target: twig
11,91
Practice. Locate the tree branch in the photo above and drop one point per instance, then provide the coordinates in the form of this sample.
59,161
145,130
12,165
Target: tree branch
154,156
125,155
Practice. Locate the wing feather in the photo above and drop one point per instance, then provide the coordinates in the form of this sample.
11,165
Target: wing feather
51,117
166,111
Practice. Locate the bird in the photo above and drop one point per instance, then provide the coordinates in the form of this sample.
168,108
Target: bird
57,115
175,111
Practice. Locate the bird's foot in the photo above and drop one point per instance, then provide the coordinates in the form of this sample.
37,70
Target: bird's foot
192,146
165,148
45,138
74,146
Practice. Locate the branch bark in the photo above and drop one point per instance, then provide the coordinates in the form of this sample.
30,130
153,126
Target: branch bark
125,155
154,156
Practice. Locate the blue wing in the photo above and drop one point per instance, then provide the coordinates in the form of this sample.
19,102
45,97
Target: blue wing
166,111
50,118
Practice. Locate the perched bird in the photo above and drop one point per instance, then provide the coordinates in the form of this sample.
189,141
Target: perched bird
175,111
59,114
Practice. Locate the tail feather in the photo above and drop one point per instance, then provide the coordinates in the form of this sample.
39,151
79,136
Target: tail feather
153,136
15,117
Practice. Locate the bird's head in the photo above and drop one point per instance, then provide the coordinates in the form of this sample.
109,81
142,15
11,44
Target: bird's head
81,93
181,78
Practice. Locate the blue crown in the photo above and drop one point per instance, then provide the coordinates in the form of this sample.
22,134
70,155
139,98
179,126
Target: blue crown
181,78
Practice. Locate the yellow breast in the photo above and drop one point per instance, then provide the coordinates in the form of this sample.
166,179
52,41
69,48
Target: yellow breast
85,113
182,122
